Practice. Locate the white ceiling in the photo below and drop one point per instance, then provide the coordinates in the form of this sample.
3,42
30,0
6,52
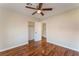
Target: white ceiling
57,8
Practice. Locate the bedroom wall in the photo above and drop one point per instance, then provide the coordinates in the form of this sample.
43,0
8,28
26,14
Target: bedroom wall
1,28
13,29
63,29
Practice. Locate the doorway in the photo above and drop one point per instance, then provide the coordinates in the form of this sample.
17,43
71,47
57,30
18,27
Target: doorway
44,39
44,30
31,28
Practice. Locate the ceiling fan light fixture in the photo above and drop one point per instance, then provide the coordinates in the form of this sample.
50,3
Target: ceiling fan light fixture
39,11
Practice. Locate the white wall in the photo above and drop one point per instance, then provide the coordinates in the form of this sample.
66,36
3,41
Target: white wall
13,29
63,29
1,28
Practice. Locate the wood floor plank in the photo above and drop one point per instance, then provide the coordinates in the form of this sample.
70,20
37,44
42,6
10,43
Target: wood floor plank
48,50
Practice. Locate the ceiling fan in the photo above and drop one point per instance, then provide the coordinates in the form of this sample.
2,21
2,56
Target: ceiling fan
39,9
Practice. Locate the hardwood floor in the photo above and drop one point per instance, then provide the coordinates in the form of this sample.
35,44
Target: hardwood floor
48,50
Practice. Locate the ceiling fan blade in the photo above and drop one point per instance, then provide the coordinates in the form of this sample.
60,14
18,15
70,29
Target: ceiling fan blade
30,7
42,13
40,6
34,12
28,4
47,9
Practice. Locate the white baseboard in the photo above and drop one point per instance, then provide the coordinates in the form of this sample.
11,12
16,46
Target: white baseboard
13,47
63,46
48,41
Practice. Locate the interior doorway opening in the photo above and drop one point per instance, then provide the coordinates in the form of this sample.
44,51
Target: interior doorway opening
43,39
31,28
44,30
